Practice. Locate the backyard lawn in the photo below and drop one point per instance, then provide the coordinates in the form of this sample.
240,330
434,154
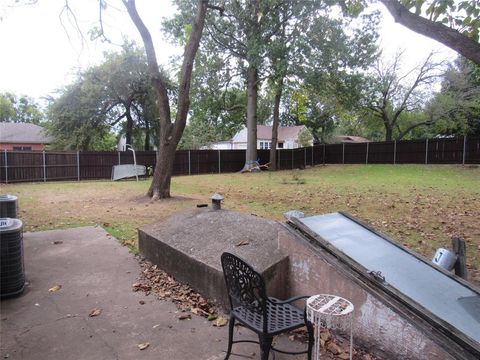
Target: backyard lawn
420,206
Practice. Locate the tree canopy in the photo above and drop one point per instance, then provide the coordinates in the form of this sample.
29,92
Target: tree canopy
115,95
455,110
19,109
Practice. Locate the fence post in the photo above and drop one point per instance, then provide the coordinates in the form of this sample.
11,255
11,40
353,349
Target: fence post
292,158
219,161
278,159
323,154
394,152
366,156
304,157
6,166
119,162
343,153
78,165
460,249
313,163
464,149
426,151
44,167
189,164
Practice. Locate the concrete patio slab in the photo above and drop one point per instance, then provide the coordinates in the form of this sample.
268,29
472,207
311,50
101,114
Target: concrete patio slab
95,271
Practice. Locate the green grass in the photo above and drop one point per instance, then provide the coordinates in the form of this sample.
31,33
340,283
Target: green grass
420,206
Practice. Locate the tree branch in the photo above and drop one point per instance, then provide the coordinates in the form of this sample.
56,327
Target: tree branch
452,38
411,127
157,80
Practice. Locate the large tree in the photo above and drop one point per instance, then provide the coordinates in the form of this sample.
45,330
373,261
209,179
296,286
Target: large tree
456,108
170,131
326,70
393,93
114,96
243,32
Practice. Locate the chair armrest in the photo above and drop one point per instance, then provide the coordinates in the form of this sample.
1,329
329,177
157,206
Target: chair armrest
295,298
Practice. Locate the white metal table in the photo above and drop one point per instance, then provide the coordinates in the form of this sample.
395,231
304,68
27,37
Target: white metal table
332,312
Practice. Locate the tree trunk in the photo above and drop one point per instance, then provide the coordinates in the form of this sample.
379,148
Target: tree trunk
388,133
170,134
147,135
276,122
129,129
160,186
252,98
434,30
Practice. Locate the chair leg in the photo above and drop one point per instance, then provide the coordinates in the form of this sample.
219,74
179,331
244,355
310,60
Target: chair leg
265,346
311,339
231,325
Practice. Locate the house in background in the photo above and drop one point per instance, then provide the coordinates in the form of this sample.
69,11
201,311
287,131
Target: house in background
288,138
23,137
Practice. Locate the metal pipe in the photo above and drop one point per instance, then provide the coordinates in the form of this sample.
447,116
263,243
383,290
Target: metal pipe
464,149
44,168
78,165
426,151
304,157
323,154
394,152
366,156
134,159
189,164
6,166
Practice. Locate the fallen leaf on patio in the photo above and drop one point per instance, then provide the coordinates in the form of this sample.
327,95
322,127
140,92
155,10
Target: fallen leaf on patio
212,317
220,321
243,242
55,288
325,335
334,348
143,346
95,312
185,317
195,311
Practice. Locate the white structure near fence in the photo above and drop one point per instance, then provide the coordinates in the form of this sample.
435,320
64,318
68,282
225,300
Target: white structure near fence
288,138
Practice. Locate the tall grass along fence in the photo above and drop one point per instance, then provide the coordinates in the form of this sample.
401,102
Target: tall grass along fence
27,166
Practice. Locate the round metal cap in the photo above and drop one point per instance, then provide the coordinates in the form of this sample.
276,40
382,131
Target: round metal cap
9,225
217,197
7,197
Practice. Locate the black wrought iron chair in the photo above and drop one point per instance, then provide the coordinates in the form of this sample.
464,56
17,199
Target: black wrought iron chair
250,306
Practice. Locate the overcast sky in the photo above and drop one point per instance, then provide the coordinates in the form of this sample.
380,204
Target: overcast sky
39,55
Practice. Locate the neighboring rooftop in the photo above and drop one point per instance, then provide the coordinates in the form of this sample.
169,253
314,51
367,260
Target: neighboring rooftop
264,132
23,133
350,139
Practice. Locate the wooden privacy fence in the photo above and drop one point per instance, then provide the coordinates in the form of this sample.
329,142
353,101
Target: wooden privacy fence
27,166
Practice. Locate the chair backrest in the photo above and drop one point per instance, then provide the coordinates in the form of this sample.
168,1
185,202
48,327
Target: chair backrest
245,286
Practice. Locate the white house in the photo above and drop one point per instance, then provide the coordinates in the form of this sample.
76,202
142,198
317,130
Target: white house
220,145
287,137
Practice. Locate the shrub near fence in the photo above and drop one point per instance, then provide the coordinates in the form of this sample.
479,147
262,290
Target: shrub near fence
25,166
